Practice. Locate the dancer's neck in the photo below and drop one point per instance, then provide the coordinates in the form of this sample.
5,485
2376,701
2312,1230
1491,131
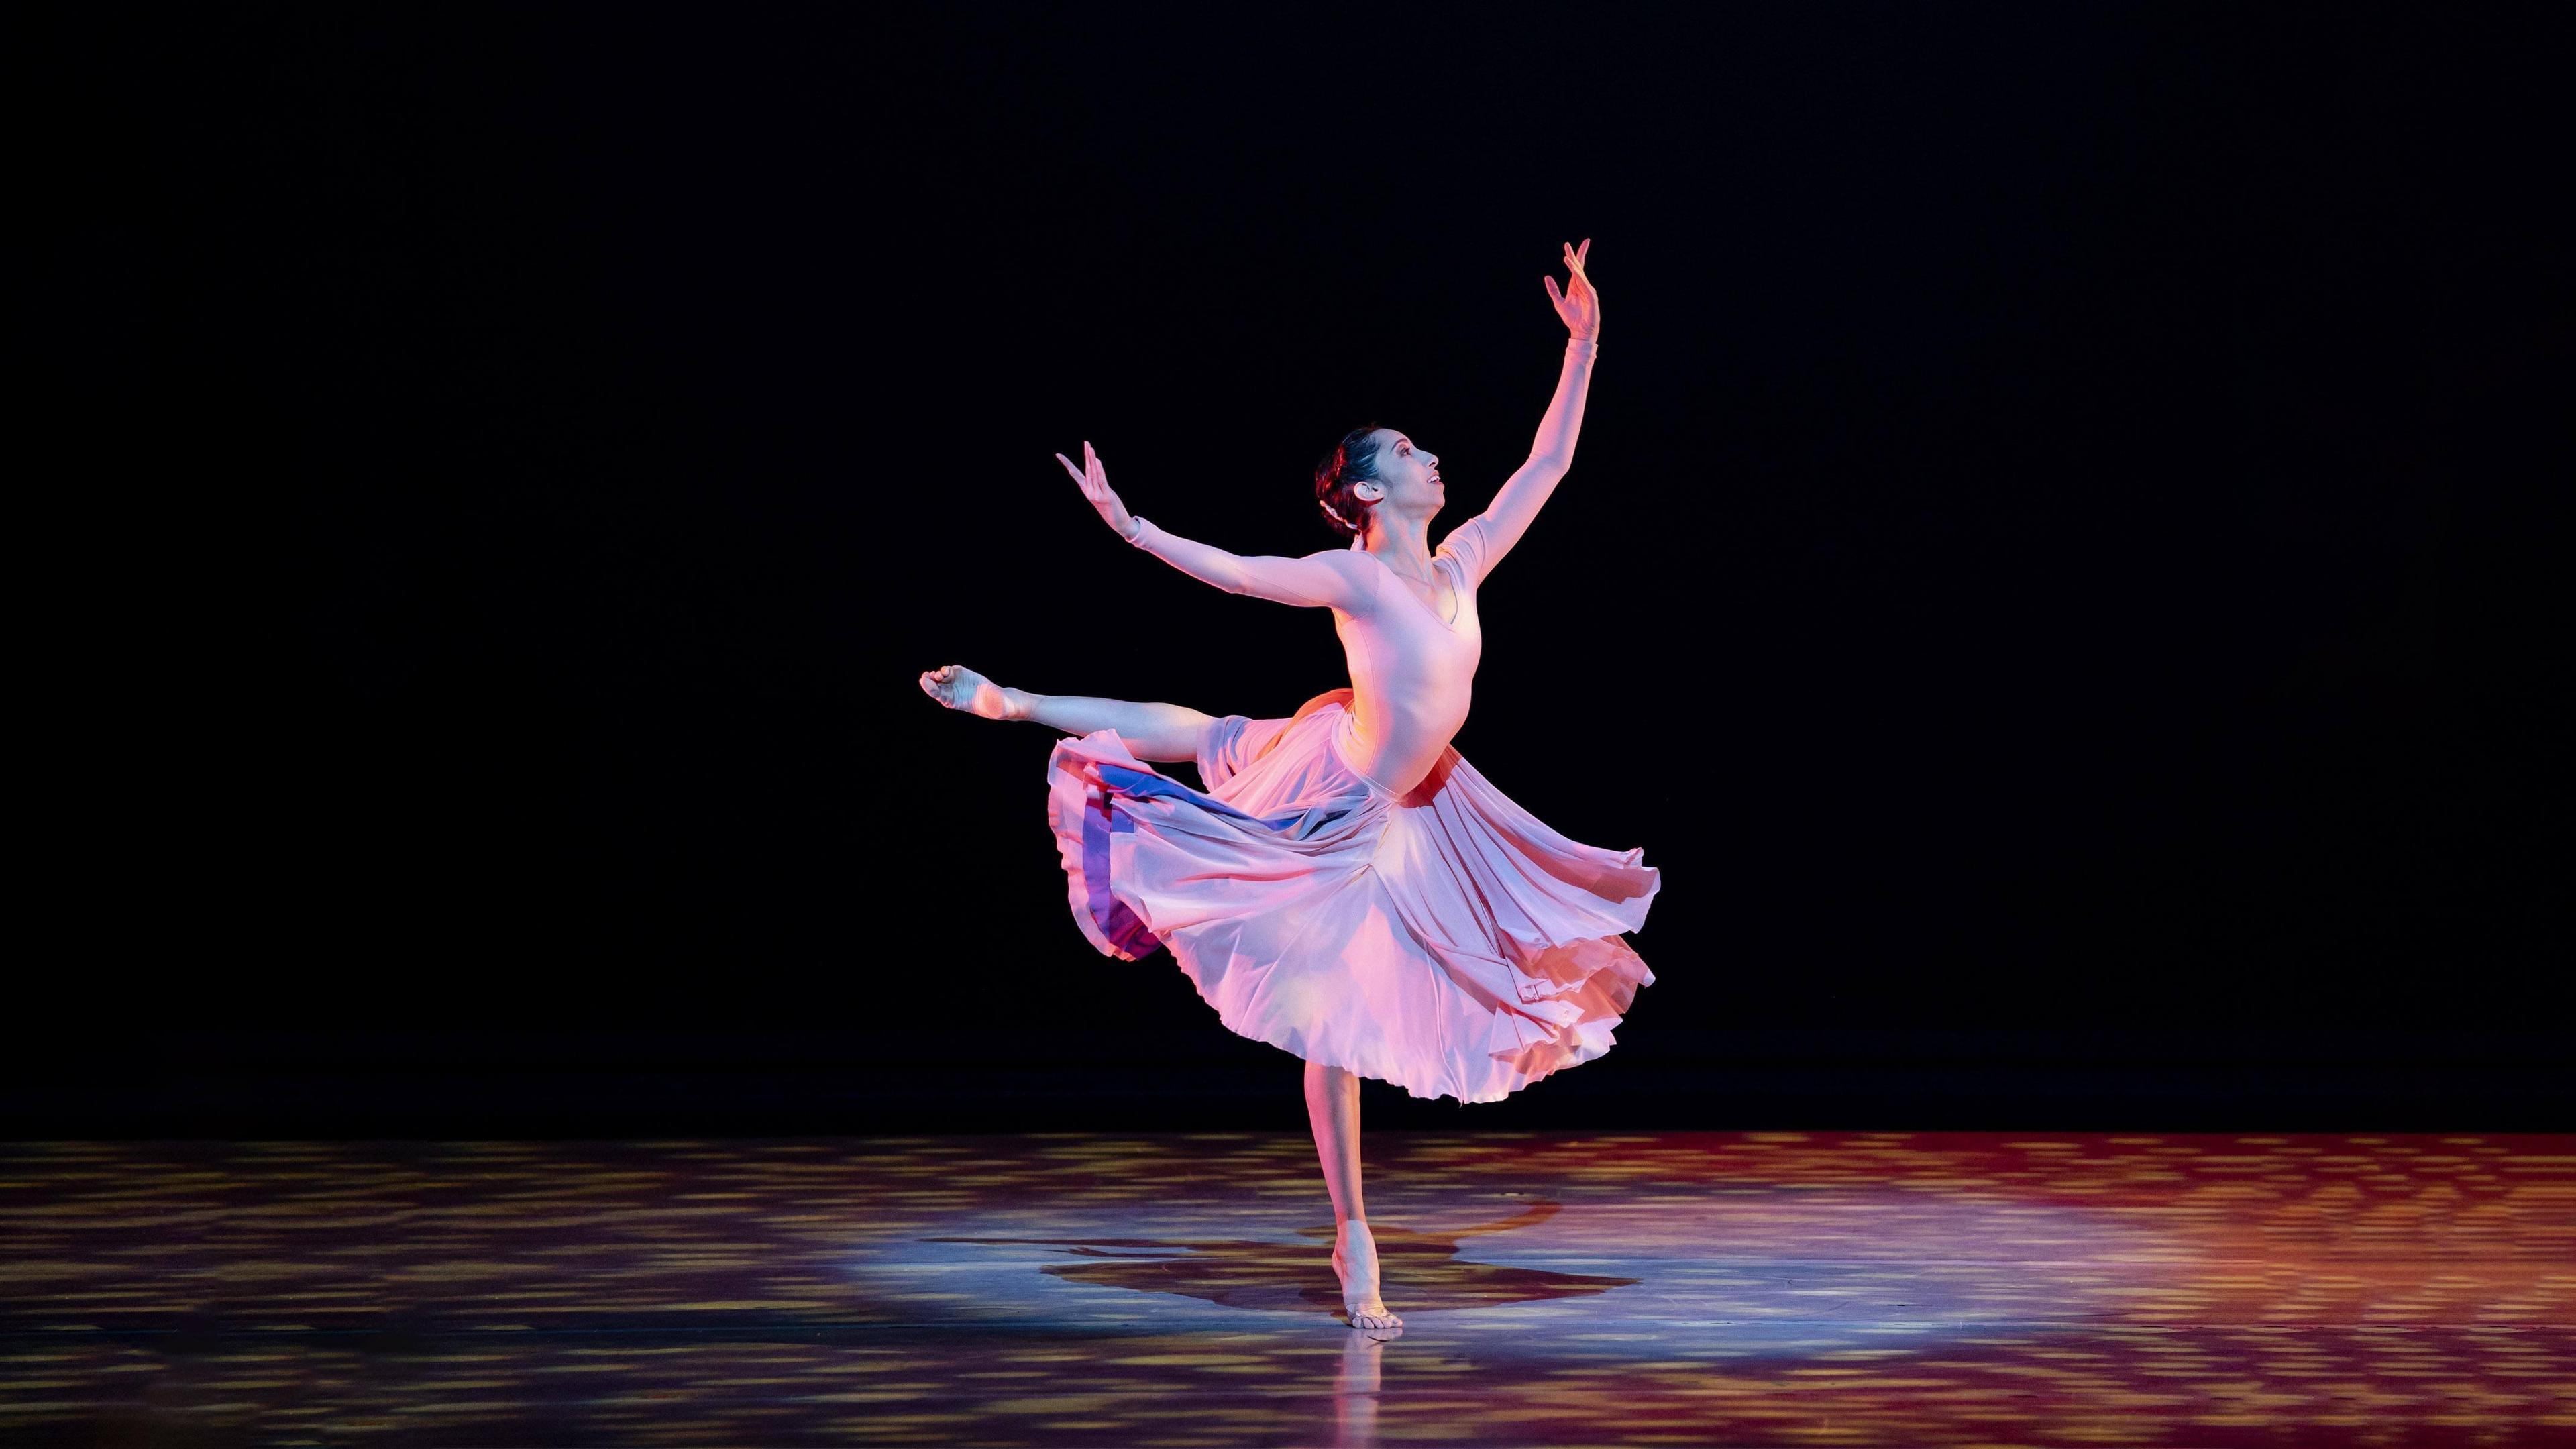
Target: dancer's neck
1403,544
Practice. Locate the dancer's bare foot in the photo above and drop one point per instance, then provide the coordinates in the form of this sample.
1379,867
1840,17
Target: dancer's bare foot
1355,1261
959,687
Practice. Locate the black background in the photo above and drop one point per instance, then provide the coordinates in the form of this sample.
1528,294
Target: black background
2054,574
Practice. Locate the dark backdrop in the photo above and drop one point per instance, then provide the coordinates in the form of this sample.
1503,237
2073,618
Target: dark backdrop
2051,577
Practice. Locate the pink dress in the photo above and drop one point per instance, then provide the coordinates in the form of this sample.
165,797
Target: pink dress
1442,939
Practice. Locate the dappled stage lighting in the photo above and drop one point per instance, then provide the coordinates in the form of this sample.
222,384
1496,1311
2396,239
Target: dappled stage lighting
1075,1289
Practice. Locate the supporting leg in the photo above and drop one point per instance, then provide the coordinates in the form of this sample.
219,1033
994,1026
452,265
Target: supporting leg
1333,1108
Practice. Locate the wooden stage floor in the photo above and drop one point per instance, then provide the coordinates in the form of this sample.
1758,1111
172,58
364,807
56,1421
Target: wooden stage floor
1172,1291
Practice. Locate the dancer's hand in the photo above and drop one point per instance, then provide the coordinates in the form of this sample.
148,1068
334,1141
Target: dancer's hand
1095,486
1579,305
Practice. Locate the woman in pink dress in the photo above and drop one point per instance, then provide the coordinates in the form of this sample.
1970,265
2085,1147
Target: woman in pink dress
1343,884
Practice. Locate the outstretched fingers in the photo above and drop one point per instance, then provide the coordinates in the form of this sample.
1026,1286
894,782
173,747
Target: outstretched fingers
1574,257
1089,473
1576,298
1089,478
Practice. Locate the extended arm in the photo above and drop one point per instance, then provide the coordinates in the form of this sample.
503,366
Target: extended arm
1552,451
1318,580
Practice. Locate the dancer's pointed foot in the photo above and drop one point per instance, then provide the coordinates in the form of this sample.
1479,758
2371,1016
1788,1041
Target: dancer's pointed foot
959,687
1355,1261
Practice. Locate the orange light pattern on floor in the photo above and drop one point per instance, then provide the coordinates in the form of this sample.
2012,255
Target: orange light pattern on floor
1559,1288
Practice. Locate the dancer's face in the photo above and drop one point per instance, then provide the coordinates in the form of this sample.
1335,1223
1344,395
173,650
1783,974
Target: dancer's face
1410,475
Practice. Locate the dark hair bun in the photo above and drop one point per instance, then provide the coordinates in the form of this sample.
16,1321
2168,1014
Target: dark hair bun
1352,462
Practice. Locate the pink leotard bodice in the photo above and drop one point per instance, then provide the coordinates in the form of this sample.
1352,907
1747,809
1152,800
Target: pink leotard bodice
1412,672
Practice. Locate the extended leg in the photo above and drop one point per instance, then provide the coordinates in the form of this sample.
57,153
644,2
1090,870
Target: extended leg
1333,1107
1150,731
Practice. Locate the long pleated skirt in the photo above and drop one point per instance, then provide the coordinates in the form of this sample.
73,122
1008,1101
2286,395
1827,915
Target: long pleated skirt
1446,941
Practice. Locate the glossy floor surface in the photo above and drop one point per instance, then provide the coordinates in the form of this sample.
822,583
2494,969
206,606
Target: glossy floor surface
1559,1289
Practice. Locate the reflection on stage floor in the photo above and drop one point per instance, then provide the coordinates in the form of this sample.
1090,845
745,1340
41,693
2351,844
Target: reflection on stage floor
1558,1288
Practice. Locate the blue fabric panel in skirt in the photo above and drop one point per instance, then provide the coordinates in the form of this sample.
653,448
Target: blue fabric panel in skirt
1121,925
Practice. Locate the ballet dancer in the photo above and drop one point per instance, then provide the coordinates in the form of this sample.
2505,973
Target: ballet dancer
1343,884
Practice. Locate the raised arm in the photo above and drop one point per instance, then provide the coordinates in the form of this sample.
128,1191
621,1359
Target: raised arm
1317,581
1552,451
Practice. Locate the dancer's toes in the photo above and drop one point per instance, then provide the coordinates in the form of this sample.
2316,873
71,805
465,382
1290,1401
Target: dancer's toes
1355,1263
959,687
